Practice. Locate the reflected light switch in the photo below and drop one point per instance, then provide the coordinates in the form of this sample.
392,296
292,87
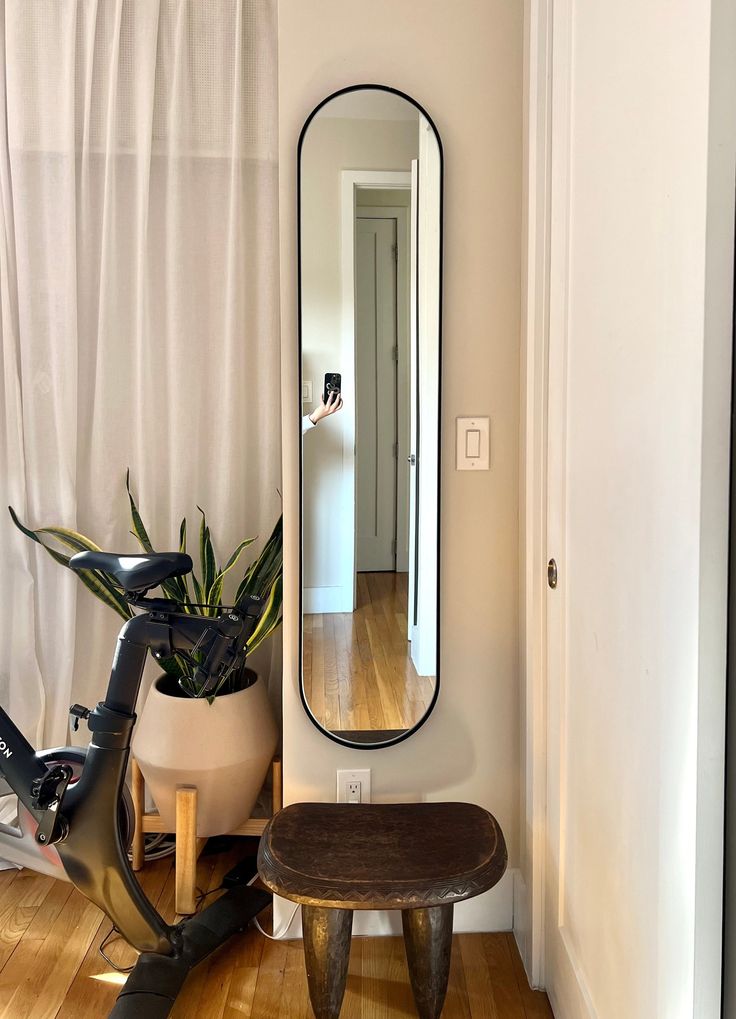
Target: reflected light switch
473,444
306,392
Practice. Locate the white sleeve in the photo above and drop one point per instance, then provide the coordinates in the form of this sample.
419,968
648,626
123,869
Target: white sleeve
307,423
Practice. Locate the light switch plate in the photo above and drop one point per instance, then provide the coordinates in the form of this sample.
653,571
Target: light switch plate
473,444
306,392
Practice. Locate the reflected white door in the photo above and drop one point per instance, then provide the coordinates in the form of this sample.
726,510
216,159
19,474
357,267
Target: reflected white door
411,612
375,356
426,416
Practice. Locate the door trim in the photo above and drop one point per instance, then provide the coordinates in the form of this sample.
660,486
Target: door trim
529,908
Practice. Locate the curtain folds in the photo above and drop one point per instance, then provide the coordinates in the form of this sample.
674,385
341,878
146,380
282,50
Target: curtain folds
138,305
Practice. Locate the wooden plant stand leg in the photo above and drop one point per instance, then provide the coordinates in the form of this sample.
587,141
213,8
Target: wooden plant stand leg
188,848
428,942
327,935
138,795
276,787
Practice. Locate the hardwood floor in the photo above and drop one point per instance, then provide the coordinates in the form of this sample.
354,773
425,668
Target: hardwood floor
50,967
358,674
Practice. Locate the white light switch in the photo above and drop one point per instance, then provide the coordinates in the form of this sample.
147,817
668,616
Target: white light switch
473,444
306,392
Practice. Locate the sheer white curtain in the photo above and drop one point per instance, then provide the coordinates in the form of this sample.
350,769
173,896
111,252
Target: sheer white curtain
138,305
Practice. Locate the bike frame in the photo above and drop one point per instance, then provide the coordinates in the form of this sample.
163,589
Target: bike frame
92,855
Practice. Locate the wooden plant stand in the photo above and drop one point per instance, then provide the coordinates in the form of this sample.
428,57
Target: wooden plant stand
188,846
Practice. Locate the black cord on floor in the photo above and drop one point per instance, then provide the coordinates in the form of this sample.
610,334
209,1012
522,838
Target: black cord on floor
109,937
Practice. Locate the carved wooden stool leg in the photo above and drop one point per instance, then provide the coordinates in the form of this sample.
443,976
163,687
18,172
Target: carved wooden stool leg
326,953
428,941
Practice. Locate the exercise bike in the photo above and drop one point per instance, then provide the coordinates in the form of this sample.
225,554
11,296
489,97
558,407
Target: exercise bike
75,814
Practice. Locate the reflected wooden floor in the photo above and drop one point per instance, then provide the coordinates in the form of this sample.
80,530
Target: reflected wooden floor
50,967
358,674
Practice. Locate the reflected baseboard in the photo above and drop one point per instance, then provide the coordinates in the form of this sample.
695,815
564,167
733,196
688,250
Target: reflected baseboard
317,600
368,735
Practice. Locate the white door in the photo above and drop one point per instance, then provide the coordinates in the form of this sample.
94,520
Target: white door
375,359
636,624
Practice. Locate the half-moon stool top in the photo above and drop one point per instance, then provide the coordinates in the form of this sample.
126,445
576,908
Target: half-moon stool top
381,855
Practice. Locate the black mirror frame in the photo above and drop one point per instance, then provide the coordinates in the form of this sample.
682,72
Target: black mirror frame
352,744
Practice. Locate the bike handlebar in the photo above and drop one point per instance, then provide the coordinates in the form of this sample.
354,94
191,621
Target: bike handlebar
221,640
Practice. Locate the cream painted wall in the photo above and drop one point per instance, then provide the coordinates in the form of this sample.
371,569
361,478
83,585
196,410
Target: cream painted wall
463,62
330,146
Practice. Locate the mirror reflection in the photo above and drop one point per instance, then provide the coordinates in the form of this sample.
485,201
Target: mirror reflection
370,235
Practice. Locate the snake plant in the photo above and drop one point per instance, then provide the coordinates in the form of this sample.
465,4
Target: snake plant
261,578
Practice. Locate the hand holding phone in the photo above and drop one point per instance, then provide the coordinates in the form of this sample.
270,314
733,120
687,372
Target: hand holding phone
333,384
331,398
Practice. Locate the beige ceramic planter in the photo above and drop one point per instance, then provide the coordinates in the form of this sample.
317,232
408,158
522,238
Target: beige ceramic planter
224,749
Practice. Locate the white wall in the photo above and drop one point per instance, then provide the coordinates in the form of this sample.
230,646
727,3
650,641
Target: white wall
648,320
330,146
462,62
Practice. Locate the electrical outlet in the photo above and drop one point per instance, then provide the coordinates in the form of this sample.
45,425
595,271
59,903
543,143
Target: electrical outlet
354,786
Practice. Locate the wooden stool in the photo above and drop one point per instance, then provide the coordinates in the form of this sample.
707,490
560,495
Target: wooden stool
420,858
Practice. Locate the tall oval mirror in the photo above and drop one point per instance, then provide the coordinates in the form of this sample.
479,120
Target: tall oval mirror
370,237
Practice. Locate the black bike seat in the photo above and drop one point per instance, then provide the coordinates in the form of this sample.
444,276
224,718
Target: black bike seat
132,571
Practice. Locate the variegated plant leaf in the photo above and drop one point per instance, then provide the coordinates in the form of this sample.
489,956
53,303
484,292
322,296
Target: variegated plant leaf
206,554
139,530
94,580
214,595
270,617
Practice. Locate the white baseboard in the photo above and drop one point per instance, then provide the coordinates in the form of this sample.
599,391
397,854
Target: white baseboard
327,599
522,921
492,911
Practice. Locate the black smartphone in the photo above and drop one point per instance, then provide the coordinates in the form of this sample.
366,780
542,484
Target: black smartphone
333,383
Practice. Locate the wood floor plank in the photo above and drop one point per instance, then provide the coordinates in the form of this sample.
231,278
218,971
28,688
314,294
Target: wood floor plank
36,989
55,972
6,879
386,993
508,1001
96,984
242,990
358,672
456,1003
536,1003
270,981
22,898
329,674
295,994
478,983
352,1005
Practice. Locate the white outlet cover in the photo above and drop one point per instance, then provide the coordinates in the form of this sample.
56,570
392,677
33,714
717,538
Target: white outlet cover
362,775
306,392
